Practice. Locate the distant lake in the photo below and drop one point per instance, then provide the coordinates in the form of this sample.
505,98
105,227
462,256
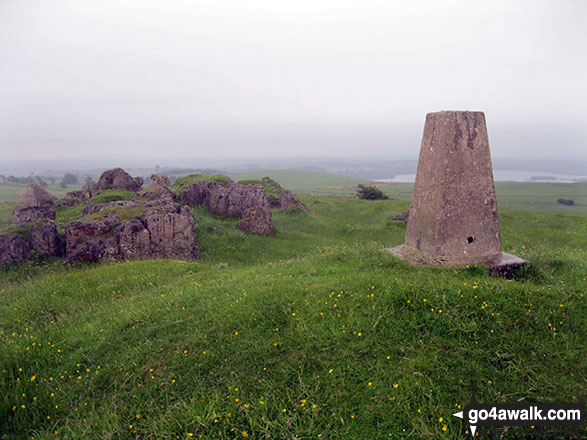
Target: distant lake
509,176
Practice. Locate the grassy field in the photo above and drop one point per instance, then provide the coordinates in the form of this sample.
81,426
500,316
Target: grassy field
9,192
536,197
309,334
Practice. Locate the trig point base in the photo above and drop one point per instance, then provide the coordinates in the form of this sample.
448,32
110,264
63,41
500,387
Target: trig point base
453,218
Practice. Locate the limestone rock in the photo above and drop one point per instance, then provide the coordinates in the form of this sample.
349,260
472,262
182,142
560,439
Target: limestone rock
13,249
257,220
34,203
78,232
162,234
287,199
74,197
92,209
172,235
162,181
134,240
116,178
231,200
45,238
401,217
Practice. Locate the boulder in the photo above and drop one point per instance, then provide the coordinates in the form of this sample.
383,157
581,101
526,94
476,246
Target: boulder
93,250
74,197
287,199
401,217
231,200
78,232
172,235
157,234
34,203
92,209
116,178
134,240
273,201
13,249
257,220
155,196
159,181
45,238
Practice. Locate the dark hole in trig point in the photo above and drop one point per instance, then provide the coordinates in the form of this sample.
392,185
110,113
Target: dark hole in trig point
470,240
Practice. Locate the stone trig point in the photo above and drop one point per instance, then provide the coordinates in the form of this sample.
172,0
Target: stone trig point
453,218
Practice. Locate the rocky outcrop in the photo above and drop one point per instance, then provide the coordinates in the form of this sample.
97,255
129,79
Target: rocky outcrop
159,181
287,199
45,238
80,231
169,235
158,228
246,200
34,203
116,178
74,197
231,200
401,217
172,235
13,249
92,209
257,220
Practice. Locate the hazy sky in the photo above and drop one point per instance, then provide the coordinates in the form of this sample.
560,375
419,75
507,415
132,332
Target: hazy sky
270,78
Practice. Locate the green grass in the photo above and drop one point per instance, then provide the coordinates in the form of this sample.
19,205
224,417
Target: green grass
269,187
350,342
182,182
9,192
304,181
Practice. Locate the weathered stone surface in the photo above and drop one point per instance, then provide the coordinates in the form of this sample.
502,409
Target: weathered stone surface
92,209
257,220
273,201
45,238
234,199
453,217
74,197
401,217
231,200
162,181
116,178
271,182
34,203
173,235
93,250
287,199
134,240
454,212
161,234
83,230
155,196
13,249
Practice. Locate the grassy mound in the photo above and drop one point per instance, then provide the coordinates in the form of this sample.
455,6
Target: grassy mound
182,182
311,332
269,187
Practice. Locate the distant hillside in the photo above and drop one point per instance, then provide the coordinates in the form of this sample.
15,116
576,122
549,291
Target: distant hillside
303,181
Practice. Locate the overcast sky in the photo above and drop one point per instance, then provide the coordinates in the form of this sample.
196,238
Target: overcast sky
269,78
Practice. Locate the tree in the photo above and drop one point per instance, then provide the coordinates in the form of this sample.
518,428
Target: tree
370,192
70,179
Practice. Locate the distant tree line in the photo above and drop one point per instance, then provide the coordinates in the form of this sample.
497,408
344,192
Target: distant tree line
68,179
